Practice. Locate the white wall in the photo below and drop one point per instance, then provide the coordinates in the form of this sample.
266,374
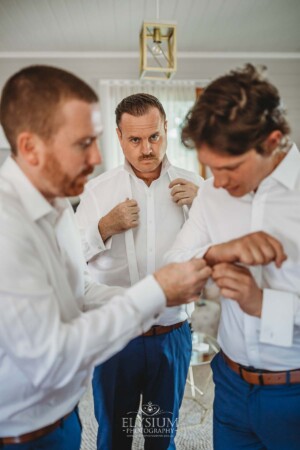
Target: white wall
4,146
284,73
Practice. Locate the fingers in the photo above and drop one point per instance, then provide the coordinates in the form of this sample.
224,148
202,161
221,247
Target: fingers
280,255
229,276
131,203
229,283
257,251
183,192
258,248
194,275
131,220
178,181
198,264
124,216
230,293
179,189
237,283
132,213
182,281
130,206
227,269
201,271
134,223
183,199
187,187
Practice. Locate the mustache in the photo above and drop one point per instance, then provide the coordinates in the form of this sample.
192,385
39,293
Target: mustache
146,157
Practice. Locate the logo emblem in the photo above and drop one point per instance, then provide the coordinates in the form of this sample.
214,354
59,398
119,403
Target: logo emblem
149,409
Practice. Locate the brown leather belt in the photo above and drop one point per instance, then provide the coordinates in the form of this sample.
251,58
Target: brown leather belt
34,434
263,377
159,329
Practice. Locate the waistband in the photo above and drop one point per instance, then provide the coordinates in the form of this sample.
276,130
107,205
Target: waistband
160,329
262,377
34,434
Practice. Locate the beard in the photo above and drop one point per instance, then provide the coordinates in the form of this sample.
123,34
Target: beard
59,183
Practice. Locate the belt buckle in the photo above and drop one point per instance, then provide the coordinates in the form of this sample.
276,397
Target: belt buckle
252,369
154,330
259,372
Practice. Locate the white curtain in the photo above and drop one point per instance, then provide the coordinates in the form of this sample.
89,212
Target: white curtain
176,97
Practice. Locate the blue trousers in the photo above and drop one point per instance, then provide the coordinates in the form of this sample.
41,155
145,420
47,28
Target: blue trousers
66,437
253,417
154,366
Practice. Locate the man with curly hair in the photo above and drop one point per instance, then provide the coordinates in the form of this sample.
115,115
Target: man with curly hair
245,223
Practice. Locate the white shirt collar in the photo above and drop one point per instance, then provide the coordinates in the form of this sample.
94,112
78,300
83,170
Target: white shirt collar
33,201
288,170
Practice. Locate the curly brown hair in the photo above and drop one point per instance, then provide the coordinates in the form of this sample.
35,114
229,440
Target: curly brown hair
235,113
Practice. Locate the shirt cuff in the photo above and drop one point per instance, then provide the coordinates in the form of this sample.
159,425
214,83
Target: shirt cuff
149,299
95,240
277,318
201,252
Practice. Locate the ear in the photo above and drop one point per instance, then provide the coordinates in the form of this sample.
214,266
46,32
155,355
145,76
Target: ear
166,126
273,140
119,133
28,146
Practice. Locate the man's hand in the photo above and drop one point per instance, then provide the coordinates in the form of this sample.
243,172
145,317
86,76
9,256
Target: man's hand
257,248
183,192
237,283
121,218
183,281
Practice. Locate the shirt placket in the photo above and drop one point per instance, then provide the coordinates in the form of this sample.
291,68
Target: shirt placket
150,231
251,323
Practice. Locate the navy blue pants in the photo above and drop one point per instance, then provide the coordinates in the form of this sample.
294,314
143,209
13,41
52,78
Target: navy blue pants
154,366
253,417
66,437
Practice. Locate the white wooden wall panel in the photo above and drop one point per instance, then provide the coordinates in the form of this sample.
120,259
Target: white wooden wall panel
285,74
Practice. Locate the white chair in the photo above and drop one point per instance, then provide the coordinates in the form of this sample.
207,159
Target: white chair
204,322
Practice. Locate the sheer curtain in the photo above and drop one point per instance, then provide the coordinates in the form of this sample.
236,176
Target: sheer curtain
176,97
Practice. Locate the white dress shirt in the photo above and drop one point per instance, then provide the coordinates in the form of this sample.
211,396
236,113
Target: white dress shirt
52,329
271,342
128,257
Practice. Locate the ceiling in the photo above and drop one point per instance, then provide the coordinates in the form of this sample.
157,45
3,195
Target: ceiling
113,25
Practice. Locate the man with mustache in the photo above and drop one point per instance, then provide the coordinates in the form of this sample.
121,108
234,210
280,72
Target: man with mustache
124,238
55,324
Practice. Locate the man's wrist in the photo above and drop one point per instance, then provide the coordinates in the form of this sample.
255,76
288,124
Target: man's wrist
104,229
211,256
220,253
